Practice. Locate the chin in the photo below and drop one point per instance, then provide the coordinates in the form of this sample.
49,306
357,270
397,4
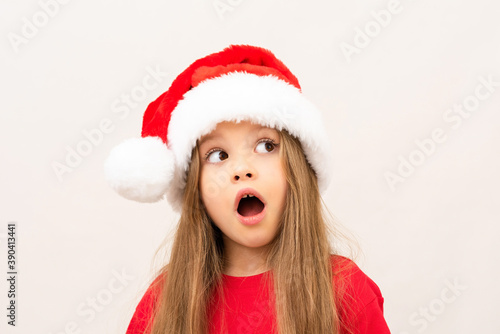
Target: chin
257,242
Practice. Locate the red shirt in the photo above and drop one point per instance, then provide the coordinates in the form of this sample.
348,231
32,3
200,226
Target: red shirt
247,308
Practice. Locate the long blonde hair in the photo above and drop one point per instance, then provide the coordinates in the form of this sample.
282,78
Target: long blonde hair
299,256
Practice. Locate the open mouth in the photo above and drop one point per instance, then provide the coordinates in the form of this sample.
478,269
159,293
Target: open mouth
250,206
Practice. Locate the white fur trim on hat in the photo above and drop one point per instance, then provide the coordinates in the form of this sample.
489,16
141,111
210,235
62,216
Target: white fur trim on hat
140,169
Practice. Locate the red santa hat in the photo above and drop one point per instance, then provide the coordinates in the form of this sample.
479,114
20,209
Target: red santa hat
241,82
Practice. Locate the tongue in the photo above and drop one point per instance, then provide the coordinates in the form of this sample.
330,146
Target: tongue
250,206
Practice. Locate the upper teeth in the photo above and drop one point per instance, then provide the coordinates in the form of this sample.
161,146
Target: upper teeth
247,195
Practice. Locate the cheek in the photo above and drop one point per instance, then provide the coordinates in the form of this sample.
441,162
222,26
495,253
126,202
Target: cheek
210,188
275,177
276,172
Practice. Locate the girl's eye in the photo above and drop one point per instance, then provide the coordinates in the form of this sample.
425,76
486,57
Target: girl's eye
221,155
266,146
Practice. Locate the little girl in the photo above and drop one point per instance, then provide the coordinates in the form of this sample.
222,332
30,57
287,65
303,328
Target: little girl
243,156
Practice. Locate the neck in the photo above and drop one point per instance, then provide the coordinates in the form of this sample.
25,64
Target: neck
244,261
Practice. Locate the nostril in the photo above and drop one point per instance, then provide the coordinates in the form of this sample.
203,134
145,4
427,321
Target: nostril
237,177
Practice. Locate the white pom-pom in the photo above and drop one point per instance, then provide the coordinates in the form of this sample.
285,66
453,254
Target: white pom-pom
140,169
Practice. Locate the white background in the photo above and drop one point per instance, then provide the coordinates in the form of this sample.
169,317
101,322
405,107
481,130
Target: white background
437,228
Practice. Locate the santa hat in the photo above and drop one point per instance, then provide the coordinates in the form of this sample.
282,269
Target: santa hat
242,82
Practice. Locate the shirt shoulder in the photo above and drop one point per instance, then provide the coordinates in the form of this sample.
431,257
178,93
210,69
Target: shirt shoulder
359,298
144,312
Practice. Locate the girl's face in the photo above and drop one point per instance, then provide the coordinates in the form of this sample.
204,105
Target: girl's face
235,156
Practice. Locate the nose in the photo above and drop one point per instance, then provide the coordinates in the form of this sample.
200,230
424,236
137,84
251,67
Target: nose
243,170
